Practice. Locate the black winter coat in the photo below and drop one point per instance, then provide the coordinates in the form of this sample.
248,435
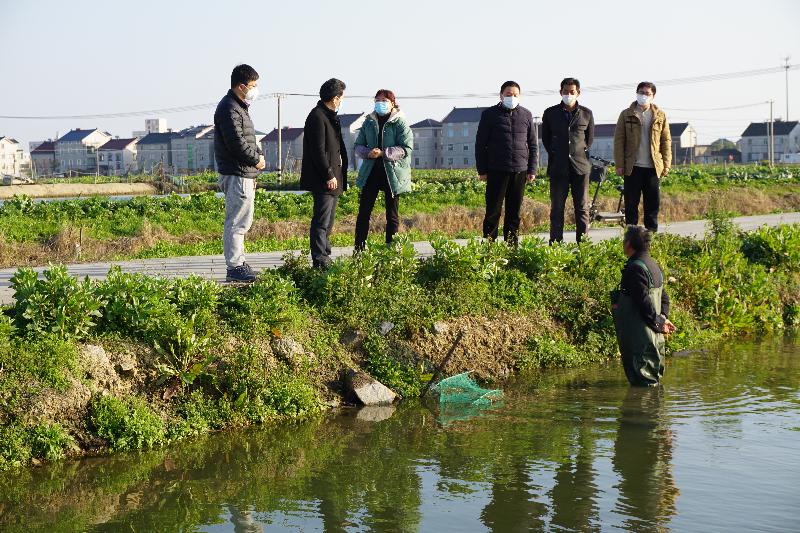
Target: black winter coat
567,143
506,141
235,146
324,152
636,284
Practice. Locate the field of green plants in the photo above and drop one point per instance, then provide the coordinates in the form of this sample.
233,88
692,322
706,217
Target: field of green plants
178,225
209,357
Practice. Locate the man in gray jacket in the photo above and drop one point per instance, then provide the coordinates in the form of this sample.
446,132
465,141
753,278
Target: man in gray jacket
239,161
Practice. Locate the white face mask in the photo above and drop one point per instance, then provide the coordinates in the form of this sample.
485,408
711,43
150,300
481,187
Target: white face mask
251,95
569,99
643,99
511,102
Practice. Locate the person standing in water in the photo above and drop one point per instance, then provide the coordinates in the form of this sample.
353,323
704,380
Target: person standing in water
641,309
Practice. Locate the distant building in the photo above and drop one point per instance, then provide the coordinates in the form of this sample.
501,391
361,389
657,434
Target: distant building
603,144
77,150
684,139
12,156
118,156
427,139
754,143
704,155
154,151
152,125
291,149
193,150
459,128
43,159
351,124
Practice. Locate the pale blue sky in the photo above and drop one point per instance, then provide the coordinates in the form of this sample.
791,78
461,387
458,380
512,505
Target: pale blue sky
81,56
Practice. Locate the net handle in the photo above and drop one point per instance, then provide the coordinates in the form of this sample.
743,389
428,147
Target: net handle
443,363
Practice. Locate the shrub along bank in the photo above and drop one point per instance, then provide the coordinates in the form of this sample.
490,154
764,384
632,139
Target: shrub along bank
134,362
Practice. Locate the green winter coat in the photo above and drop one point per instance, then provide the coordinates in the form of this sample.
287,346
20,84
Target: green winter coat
396,132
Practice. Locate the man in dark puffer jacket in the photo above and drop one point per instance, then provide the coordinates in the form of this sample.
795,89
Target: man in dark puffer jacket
239,161
506,156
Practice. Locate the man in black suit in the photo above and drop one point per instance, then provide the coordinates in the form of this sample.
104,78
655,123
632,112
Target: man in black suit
567,135
324,171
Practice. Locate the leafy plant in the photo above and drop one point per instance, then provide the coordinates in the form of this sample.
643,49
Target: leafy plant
126,424
59,304
49,441
183,354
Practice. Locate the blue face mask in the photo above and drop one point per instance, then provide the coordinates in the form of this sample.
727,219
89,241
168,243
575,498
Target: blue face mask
381,107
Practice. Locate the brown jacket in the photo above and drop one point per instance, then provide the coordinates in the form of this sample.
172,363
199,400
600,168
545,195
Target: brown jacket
628,134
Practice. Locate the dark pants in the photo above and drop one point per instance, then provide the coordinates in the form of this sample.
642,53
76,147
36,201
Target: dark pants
366,202
321,226
560,186
642,182
508,186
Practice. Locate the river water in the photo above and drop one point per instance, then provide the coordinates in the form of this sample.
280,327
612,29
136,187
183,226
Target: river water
717,448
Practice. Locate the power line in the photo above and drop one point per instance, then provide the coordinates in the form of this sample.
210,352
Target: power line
537,92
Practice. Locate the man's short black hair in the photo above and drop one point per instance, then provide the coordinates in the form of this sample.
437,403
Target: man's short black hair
509,84
331,89
243,74
566,82
639,238
644,84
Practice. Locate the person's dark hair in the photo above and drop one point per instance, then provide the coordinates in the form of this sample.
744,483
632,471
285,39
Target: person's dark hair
389,95
639,238
649,84
331,89
243,74
566,82
509,84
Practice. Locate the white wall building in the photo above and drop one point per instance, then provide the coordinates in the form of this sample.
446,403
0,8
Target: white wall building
43,159
754,143
154,151
291,149
427,138
118,156
12,156
351,125
76,152
193,150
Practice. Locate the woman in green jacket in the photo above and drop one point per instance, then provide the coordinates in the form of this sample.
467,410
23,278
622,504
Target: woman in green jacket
384,144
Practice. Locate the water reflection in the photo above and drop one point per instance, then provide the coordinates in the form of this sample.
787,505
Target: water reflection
575,451
643,461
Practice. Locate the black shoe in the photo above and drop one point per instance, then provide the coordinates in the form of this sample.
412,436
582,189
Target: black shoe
241,274
322,265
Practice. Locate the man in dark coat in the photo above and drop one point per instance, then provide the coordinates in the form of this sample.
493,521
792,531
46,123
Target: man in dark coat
239,161
324,171
567,134
506,157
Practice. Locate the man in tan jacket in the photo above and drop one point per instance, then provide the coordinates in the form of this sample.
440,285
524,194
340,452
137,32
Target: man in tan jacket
642,153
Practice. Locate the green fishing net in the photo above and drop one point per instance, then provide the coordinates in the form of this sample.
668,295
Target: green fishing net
462,389
460,398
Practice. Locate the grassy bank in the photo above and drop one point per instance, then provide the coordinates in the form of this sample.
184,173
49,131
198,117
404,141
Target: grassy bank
134,362
444,202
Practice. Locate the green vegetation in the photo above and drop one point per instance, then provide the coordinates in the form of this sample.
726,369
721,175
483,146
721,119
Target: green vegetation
97,228
209,357
126,424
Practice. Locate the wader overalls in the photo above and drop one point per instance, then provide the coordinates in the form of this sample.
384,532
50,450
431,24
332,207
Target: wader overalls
642,348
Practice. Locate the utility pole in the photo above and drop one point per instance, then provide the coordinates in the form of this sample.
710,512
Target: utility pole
280,143
786,69
771,133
